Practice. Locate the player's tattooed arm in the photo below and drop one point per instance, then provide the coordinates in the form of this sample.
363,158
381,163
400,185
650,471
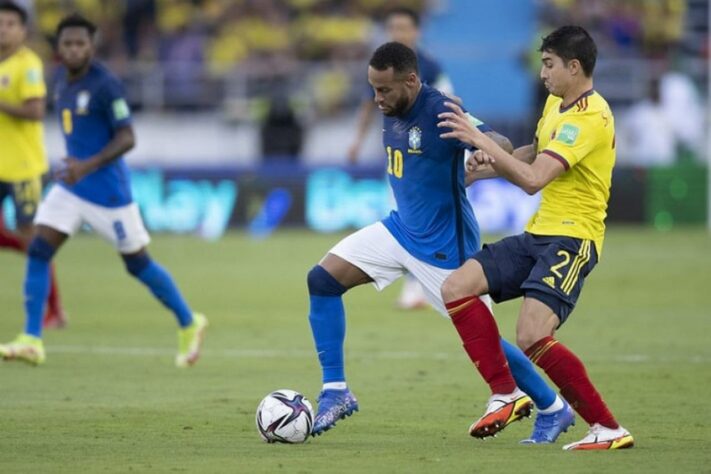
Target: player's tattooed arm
501,140
526,153
74,169
474,171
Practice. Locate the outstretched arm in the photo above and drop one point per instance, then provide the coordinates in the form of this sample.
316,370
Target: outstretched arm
365,118
529,177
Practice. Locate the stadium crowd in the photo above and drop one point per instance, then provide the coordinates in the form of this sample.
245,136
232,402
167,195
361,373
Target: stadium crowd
232,55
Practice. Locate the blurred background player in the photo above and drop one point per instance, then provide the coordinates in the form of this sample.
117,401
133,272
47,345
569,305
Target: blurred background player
571,160
23,160
94,188
432,232
403,26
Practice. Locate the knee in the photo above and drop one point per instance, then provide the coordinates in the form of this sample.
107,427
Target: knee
322,283
136,263
40,249
454,288
527,337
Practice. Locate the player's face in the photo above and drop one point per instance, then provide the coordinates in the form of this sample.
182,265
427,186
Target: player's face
393,94
555,74
12,31
75,47
403,30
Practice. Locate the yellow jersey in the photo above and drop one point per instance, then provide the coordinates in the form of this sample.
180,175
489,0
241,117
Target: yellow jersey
582,137
22,151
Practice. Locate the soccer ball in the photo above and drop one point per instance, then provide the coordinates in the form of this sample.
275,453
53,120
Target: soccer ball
285,416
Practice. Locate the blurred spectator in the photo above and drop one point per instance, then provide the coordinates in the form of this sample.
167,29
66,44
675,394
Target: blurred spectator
182,61
138,23
684,106
668,123
282,133
645,133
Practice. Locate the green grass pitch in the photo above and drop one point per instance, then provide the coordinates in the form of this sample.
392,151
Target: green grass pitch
109,399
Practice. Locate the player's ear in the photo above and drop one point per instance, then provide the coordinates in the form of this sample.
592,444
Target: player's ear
411,79
574,67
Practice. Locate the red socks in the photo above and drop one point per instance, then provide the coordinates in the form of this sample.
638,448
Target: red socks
480,335
569,374
54,307
10,240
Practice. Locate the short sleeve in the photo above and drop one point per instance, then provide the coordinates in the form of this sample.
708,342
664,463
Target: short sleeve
115,104
575,138
31,82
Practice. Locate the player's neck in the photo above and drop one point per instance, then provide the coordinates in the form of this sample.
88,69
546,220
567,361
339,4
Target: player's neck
79,73
6,52
414,99
575,92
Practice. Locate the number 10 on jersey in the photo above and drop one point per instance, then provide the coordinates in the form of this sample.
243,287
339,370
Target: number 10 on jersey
395,162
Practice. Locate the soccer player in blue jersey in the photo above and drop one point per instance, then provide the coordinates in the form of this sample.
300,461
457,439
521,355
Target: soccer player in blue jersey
403,26
430,234
94,188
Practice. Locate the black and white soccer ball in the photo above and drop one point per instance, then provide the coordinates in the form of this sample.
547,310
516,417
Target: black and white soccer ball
285,416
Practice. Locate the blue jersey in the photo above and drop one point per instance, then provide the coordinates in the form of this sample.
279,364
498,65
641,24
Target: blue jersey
90,111
434,220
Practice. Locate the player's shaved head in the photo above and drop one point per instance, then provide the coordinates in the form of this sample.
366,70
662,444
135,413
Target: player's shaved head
397,56
572,42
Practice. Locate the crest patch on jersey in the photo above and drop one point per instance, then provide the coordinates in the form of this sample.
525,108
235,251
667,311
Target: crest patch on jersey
83,99
414,139
568,134
121,110
4,81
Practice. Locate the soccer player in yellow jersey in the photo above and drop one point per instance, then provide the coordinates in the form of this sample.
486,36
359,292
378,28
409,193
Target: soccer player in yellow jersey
571,161
22,155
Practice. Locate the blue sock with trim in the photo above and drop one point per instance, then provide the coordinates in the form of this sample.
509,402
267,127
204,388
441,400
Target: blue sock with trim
328,322
526,376
36,286
161,284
